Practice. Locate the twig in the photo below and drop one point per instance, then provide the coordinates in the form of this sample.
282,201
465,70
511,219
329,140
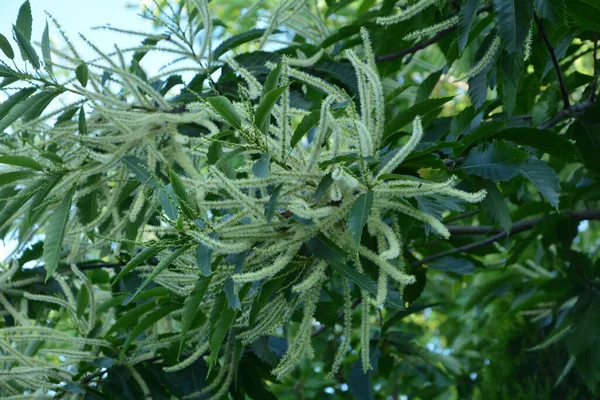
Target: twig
341,315
567,112
426,43
561,80
595,66
517,227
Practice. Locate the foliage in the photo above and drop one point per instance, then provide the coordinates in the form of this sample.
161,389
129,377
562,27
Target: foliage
301,203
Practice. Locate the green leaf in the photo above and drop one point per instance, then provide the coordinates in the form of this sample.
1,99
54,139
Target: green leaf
25,20
551,10
587,323
494,206
498,161
221,317
149,320
140,169
361,280
36,105
262,117
141,257
14,176
271,205
66,116
585,133
46,54
510,69
466,16
168,201
203,258
6,47
21,161
187,206
323,185
406,117
83,298
14,204
427,86
305,125
55,233
237,40
131,317
513,19
272,80
164,263
543,178
261,166
82,123
483,131
82,74
547,141
225,109
586,13
27,51
359,214
191,307
7,105
456,265
324,248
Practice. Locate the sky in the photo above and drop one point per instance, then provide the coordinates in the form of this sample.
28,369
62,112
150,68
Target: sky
77,16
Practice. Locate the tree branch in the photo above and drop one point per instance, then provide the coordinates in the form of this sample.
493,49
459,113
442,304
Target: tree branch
517,227
426,43
566,113
561,79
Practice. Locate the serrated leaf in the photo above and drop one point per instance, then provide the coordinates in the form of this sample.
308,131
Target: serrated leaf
427,85
164,263
547,141
466,16
141,257
359,214
272,80
456,265
552,10
322,247
513,19
262,117
586,13
226,110
191,306
187,206
481,132
25,20
494,206
14,176
261,166
131,317
237,40
271,205
233,301
140,169
203,259
55,233
27,51
7,105
21,161
585,133
10,208
6,47
82,123
323,185
36,105
82,74
66,116
498,161
83,298
510,69
149,320
543,178
220,329
361,280
168,201
305,125
46,54
406,117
